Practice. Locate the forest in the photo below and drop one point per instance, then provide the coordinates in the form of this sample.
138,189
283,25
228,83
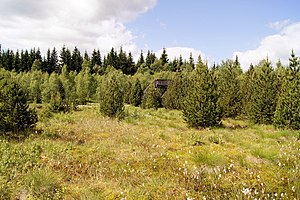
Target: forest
203,108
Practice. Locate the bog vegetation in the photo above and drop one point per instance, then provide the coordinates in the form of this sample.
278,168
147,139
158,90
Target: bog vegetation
76,126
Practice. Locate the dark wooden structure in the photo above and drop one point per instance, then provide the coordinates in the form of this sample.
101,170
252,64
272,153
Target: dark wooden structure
159,84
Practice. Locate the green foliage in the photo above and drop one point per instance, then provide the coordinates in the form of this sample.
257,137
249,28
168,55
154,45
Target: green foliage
111,99
262,102
84,83
35,93
37,65
43,184
151,98
177,90
15,114
58,101
288,108
136,93
247,88
229,87
69,85
15,159
200,106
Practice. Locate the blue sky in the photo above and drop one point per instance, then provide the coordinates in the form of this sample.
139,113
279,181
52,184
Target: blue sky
216,29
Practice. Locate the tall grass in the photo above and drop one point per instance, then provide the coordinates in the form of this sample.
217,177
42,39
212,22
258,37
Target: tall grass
151,154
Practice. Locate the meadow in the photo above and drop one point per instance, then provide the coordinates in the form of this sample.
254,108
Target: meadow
151,154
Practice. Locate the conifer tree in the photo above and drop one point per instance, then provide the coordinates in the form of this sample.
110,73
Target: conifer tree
176,92
262,103
229,87
288,108
247,88
15,114
136,93
35,86
111,99
164,57
69,86
66,58
76,60
96,63
57,94
17,61
151,98
200,106
37,65
84,83
140,61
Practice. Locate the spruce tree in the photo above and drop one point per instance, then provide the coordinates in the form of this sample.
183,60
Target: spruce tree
111,99
262,103
200,106
176,92
136,93
35,86
57,94
229,87
69,86
247,80
15,115
164,57
84,83
288,108
151,98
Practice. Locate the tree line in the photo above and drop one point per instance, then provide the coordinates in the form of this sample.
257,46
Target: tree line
53,61
264,94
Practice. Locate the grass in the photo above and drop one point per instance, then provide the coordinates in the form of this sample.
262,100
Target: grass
151,154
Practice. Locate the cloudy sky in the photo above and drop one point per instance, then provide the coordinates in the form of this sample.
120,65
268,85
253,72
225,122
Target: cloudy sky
216,29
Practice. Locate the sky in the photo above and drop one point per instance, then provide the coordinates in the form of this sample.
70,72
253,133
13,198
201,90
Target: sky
215,29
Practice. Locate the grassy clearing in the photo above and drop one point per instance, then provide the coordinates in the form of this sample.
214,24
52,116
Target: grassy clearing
152,154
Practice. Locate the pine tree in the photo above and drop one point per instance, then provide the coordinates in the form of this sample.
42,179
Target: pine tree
111,99
15,114
200,106
53,62
131,69
262,103
150,59
76,60
288,108
37,65
136,93
177,90
69,86
17,62
96,62
57,94
35,92
164,57
247,88
66,58
140,61
229,87
84,83
151,98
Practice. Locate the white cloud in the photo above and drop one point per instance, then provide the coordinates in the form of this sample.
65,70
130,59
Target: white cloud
175,52
87,24
279,24
278,46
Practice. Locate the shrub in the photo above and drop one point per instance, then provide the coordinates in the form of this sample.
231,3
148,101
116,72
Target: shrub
111,100
15,114
200,106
